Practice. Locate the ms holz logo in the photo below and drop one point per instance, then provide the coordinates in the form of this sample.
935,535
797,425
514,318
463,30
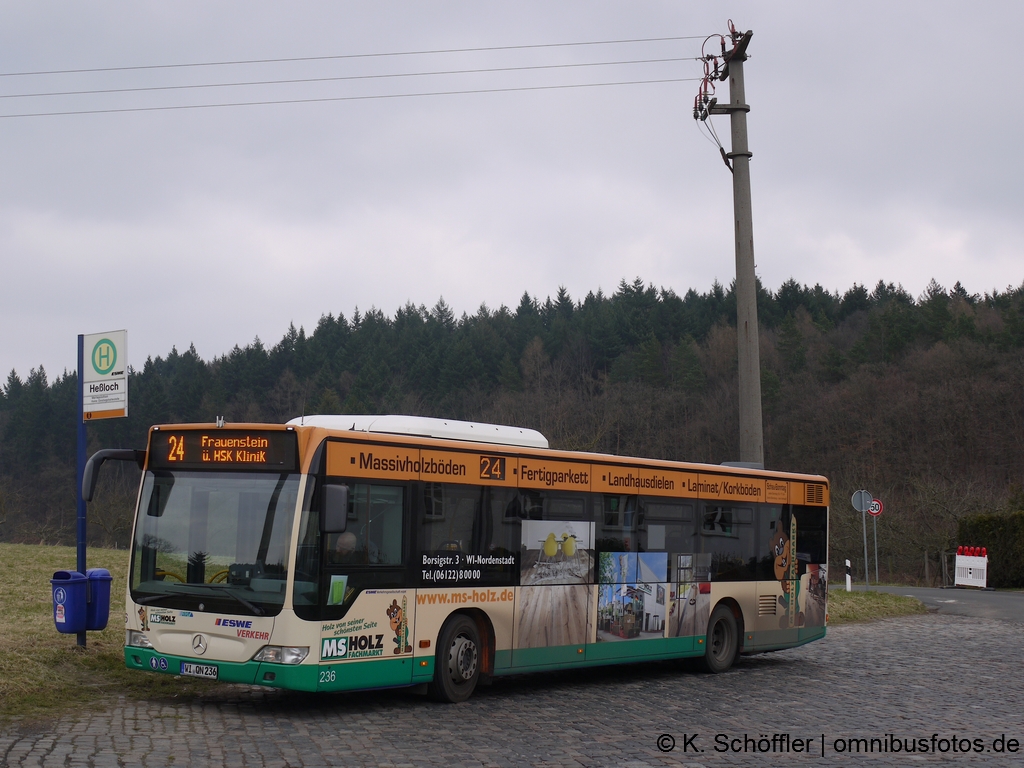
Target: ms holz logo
354,647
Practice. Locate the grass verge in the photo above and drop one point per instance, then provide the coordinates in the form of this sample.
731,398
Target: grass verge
44,673
848,607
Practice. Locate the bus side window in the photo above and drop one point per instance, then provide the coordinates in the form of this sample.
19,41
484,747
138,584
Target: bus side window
812,535
727,534
373,535
552,505
369,553
667,526
470,520
768,528
307,557
501,528
451,514
567,506
531,505
775,534
618,518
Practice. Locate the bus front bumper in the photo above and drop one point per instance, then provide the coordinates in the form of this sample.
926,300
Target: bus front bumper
296,677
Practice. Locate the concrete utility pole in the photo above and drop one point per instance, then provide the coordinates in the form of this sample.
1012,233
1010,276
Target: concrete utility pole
738,160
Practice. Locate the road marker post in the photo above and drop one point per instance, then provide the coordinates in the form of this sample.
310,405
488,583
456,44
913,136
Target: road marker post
875,510
862,503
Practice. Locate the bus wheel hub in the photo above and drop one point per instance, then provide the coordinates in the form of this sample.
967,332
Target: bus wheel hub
462,659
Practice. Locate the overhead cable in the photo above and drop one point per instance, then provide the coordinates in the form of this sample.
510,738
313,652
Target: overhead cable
345,98
342,78
351,56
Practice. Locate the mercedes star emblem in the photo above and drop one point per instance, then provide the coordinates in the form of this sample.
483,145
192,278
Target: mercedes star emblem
199,644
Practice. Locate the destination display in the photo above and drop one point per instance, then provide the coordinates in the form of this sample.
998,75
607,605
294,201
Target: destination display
224,449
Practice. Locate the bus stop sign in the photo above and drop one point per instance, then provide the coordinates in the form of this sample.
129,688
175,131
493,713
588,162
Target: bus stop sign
104,373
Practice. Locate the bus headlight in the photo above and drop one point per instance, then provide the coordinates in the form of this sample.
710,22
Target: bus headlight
282,654
137,640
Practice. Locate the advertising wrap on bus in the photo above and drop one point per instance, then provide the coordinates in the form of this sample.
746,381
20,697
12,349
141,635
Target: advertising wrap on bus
310,557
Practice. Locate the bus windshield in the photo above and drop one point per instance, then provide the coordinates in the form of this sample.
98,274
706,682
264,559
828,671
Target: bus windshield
214,541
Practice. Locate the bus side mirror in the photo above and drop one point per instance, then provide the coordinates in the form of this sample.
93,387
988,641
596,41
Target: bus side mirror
335,511
92,466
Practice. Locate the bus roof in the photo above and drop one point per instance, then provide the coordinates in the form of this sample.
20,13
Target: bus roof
424,426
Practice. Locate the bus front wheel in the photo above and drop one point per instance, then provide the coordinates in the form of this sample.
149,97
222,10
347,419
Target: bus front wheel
722,641
457,666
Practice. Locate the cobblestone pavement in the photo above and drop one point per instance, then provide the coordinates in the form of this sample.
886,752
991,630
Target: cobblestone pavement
913,677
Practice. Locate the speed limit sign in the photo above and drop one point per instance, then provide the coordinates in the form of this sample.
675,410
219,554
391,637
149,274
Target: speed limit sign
875,509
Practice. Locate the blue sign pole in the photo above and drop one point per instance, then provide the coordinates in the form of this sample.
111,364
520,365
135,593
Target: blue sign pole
81,465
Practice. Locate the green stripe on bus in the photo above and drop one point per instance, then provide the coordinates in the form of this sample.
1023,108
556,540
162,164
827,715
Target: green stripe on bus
561,655
652,648
567,656
355,675
777,639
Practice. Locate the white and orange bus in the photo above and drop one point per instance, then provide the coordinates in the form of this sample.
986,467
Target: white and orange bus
352,552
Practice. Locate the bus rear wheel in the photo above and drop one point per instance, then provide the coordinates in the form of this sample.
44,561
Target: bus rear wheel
722,642
457,664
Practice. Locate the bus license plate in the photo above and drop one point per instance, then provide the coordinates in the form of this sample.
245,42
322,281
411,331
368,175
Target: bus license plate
209,671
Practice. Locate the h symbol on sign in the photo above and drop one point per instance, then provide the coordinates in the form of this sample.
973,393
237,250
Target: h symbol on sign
103,355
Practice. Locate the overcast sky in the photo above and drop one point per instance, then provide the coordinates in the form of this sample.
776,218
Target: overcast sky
884,139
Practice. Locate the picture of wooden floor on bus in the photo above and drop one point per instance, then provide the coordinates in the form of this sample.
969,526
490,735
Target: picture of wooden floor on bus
689,612
551,615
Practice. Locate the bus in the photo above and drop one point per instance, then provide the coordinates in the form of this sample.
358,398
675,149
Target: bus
338,553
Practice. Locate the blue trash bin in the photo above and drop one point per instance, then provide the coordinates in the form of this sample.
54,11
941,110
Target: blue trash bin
97,610
69,601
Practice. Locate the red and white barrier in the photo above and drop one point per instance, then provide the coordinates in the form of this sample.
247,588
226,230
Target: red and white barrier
971,567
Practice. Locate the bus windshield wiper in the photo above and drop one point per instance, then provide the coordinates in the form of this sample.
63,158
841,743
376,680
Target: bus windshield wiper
254,608
155,598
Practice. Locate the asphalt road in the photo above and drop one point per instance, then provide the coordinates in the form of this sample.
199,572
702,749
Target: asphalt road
976,603
936,682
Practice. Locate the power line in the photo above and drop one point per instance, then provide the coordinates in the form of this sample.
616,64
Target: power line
345,98
352,56
340,78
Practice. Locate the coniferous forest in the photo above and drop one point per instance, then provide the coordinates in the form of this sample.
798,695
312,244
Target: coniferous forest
920,400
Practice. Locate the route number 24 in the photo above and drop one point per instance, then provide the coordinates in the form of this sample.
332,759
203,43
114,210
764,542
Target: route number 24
175,447
492,467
